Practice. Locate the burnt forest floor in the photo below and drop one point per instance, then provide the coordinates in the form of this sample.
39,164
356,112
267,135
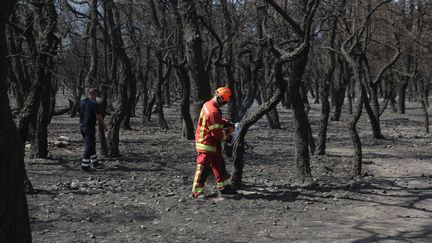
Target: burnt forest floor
144,196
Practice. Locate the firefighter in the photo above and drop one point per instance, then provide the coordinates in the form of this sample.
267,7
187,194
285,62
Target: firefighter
89,113
209,134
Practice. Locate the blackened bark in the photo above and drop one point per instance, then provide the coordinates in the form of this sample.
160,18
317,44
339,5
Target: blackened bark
15,41
126,76
357,153
78,88
200,85
357,68
39,148
311,139
350,95
238,150
300,119
298,57
325,88
188,127
144,82
14,220
317,89
272,116
39,143
426,114
167,93
265,92
374,120
159,98
229,64
341,87
401,97
91,78
188,130
103,147
132,86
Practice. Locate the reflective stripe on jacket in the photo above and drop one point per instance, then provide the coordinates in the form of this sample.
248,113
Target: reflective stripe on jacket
210,133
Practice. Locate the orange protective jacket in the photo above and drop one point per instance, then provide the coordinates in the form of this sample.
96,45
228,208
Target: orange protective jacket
210,130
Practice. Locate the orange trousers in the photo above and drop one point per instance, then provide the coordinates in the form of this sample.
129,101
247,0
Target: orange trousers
204,163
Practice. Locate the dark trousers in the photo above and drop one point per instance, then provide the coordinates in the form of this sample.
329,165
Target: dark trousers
89,136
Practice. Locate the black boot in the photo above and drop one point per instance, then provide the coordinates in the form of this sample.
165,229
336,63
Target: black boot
227,192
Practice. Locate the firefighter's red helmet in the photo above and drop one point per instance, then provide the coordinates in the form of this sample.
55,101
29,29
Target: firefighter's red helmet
224,94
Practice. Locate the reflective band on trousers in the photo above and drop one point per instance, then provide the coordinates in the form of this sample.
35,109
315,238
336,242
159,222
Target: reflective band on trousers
198,172
198,189
223,183
204,147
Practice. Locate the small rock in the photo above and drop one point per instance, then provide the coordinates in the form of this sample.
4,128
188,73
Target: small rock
74,185
64,138
61,144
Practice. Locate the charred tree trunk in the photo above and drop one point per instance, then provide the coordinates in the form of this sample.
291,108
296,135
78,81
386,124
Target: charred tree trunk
300,118
265,91
357,153
188,130
356,66
200,85
158,92
238,150
39,148
14,220
374,120
317,90
311,139
298,57
272,116
126,76
229,64
325,88
401,97
103,148
188,127
144,84
341,87
15,41
91,78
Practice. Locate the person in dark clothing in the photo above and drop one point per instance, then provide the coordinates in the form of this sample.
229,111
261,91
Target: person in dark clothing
89,113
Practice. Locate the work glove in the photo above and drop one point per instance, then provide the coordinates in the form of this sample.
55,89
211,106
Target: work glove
230,129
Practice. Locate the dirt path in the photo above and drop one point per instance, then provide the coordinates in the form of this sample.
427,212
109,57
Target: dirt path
144,195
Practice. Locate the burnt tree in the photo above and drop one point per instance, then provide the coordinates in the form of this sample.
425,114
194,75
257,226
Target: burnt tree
14,220
297,60
200,85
